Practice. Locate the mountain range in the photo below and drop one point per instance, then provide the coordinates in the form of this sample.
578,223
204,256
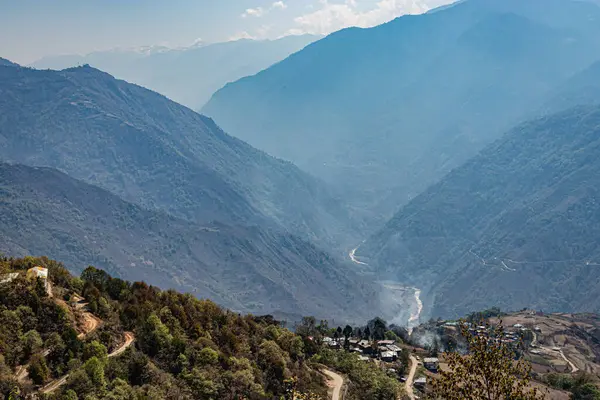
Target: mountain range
396,107
188,75
460,145
516,226
156,153
149,189
248,268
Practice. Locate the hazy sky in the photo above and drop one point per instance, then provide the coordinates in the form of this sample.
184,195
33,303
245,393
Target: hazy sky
31,29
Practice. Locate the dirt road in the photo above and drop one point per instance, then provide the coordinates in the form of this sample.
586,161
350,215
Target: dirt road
129,339
336,383
21,373
411,377
551,352
573,367
90,324
52,386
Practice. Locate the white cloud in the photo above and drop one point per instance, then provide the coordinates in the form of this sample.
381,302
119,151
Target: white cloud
333,16
254,12
259,11
279,4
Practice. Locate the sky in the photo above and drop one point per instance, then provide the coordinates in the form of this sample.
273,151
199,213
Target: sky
32,29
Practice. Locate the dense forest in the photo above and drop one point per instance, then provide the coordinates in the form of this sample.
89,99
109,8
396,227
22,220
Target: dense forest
98,337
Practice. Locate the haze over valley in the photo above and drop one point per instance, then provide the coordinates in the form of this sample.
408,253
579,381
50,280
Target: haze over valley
436,164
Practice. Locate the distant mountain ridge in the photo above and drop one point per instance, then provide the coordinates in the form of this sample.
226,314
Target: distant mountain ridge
250,269
516,226
190,75
396,107
154,152
7,63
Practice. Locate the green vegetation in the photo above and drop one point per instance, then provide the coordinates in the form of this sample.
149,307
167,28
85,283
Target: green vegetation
582,385
488,371
184,348
366,380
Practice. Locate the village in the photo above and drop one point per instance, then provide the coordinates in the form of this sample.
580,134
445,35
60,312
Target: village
543,340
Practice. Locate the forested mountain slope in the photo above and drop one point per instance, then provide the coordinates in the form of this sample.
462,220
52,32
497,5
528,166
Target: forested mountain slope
190,75
395,107
156,153
516,226
179,347
249,269
581,89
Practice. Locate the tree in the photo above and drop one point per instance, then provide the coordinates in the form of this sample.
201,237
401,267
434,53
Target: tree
94,349
208,356
378,327
308,326
488,371
69,395
367,333
38,370
95,371
32,343
347,332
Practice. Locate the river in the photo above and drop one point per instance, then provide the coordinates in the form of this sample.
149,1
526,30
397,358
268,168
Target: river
415,315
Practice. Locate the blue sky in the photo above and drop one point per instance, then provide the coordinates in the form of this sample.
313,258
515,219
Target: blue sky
31,29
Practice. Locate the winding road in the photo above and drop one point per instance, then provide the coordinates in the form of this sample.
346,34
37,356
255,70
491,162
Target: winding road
52,386
337,381
411,377
546,350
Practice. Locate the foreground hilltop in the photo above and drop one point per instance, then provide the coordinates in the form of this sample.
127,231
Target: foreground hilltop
143,342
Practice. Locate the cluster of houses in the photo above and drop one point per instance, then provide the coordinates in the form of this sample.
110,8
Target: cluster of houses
512,336
384,350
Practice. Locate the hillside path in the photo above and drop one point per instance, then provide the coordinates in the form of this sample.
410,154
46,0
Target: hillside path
338,381
129,339
573,367
52,386
411,377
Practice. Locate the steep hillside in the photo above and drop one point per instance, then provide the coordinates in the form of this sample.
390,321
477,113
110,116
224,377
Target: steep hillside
154,152
395,107
249,269
147,343
516,226
191,75
581,89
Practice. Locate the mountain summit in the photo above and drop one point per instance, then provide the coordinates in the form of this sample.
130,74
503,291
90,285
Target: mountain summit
395,107
188,75
156,153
